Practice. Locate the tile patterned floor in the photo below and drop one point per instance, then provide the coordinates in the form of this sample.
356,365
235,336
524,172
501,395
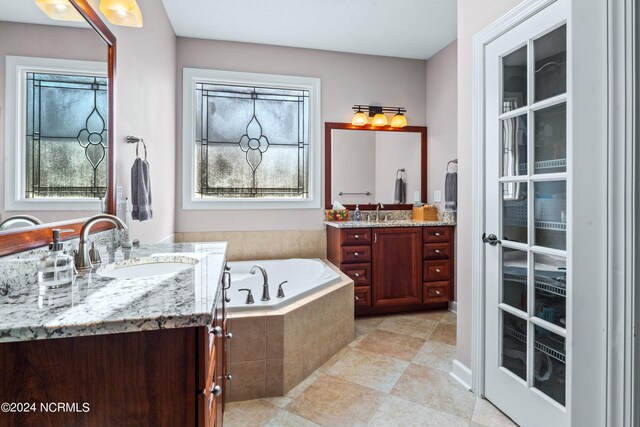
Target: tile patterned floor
395,373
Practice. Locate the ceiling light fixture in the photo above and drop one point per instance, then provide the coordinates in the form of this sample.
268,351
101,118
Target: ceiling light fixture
379,117
125,13
59,10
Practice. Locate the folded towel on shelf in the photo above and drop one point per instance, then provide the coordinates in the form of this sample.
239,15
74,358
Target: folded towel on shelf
141,190
451,191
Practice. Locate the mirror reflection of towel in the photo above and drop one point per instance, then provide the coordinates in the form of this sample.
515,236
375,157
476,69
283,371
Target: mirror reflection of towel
451,191
400,193
141,190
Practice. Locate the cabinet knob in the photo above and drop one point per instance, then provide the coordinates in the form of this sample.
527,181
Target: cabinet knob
437,234
437,292
357,297
356,274
217,331
356,254
229,377
229,335
437,270
356,236
216,390
436,251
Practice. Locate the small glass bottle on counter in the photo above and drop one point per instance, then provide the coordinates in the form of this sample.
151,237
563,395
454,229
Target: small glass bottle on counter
56,268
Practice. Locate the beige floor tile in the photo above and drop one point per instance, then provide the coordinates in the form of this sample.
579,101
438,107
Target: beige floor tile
411,326
280,401
251,413
334,402
369,323
369,369
444,333
400,412
485,414
435,315
436,355
356,341
329,363
295,392
390,344
436,389
449,317
288,419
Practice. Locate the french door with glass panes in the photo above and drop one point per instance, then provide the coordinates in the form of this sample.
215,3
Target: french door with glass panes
528,286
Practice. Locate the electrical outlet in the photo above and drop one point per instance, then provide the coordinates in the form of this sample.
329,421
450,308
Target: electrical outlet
437,196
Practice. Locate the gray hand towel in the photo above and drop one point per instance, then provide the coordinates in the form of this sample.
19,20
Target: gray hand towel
451,191
400,193
141,190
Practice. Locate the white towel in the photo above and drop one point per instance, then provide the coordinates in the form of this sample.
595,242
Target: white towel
141,190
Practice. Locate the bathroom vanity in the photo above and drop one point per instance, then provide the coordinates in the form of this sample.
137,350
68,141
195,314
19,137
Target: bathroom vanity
397,265
122,345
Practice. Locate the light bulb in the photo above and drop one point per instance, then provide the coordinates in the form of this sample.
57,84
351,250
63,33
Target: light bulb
359,119
59,10
122,12
379,120
398,121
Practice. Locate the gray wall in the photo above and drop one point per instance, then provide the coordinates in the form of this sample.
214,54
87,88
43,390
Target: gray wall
347,79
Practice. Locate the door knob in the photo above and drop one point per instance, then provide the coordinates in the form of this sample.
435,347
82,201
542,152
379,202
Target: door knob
491,239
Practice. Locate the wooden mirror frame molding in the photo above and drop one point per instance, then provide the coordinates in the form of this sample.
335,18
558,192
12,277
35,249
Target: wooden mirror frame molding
330,126
13,241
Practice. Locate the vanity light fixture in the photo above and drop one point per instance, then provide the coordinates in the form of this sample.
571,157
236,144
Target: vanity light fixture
125,13
59,10
379,117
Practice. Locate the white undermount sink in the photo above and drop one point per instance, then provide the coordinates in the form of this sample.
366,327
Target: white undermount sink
147,266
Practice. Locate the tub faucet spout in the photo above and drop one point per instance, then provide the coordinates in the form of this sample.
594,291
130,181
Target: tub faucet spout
265,283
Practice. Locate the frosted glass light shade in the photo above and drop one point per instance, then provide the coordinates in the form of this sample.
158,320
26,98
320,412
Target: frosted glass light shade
379,120
60,10
125,13
398,121
359,119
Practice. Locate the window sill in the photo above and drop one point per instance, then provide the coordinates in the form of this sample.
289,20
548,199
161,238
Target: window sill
230,204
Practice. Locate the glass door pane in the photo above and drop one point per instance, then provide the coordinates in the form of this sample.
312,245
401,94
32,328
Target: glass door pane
514,212
514,278
550,361
550,52
550,277
514,146
550,214
514,344
550,133
514,80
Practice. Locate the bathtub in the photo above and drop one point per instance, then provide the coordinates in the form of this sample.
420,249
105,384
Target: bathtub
278,343
304,277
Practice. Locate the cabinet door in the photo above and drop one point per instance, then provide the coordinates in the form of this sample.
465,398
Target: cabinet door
397,266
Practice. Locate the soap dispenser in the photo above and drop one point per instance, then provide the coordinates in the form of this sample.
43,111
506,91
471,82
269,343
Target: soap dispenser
357,215
56,268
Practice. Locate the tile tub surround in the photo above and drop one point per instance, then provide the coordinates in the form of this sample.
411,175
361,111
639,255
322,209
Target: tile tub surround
97,305
364,385
273,351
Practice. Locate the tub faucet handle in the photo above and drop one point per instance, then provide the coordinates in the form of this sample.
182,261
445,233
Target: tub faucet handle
280,290
249,296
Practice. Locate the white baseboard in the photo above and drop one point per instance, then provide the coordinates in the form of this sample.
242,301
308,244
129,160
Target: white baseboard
453,307
462,374
170,239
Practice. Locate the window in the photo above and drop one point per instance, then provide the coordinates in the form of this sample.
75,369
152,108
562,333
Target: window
250,141
56,135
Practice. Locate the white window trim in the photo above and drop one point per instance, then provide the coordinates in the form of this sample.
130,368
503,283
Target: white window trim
15,121
189,79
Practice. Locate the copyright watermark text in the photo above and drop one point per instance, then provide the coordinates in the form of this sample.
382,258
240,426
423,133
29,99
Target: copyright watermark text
51,407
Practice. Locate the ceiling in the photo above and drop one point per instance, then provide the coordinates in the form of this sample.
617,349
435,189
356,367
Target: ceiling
399,28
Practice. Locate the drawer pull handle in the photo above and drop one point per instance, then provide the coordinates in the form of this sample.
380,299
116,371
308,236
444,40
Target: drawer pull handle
356,236
437,292
436,251
437,270
437,234
357,298
356,274
356,254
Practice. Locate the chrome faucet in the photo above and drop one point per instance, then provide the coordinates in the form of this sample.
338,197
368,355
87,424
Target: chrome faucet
265,283
19,221
378,207
83,256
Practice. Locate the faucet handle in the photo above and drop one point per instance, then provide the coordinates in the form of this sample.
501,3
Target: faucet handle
94,253
249,296
280,290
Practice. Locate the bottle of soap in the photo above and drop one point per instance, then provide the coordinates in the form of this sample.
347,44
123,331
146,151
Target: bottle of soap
56,268
357,215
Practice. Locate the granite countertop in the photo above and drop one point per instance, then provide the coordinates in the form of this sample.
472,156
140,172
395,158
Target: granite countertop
97,305
388,223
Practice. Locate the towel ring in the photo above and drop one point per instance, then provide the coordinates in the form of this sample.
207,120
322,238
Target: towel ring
137,141
399,173
454,162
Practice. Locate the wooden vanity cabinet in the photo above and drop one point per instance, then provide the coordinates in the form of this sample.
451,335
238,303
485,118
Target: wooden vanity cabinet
395,269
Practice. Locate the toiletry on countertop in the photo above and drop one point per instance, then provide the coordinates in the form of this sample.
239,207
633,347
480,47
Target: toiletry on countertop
56,268
357,215
425,213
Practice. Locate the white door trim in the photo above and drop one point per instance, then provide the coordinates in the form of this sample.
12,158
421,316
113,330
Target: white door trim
513,18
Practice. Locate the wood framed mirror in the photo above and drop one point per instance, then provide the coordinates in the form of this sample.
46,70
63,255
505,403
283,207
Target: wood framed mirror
18,240
362,163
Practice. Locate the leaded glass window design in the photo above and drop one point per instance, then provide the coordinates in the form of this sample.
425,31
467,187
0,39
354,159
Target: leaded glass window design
66,136
251,142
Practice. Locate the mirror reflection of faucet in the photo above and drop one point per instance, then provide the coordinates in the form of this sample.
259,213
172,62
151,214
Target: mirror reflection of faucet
19,221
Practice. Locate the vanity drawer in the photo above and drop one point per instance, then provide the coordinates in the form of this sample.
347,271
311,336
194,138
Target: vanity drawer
436,234
362,296
351,254
436,251
359,273
356,236
435,292
434,271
